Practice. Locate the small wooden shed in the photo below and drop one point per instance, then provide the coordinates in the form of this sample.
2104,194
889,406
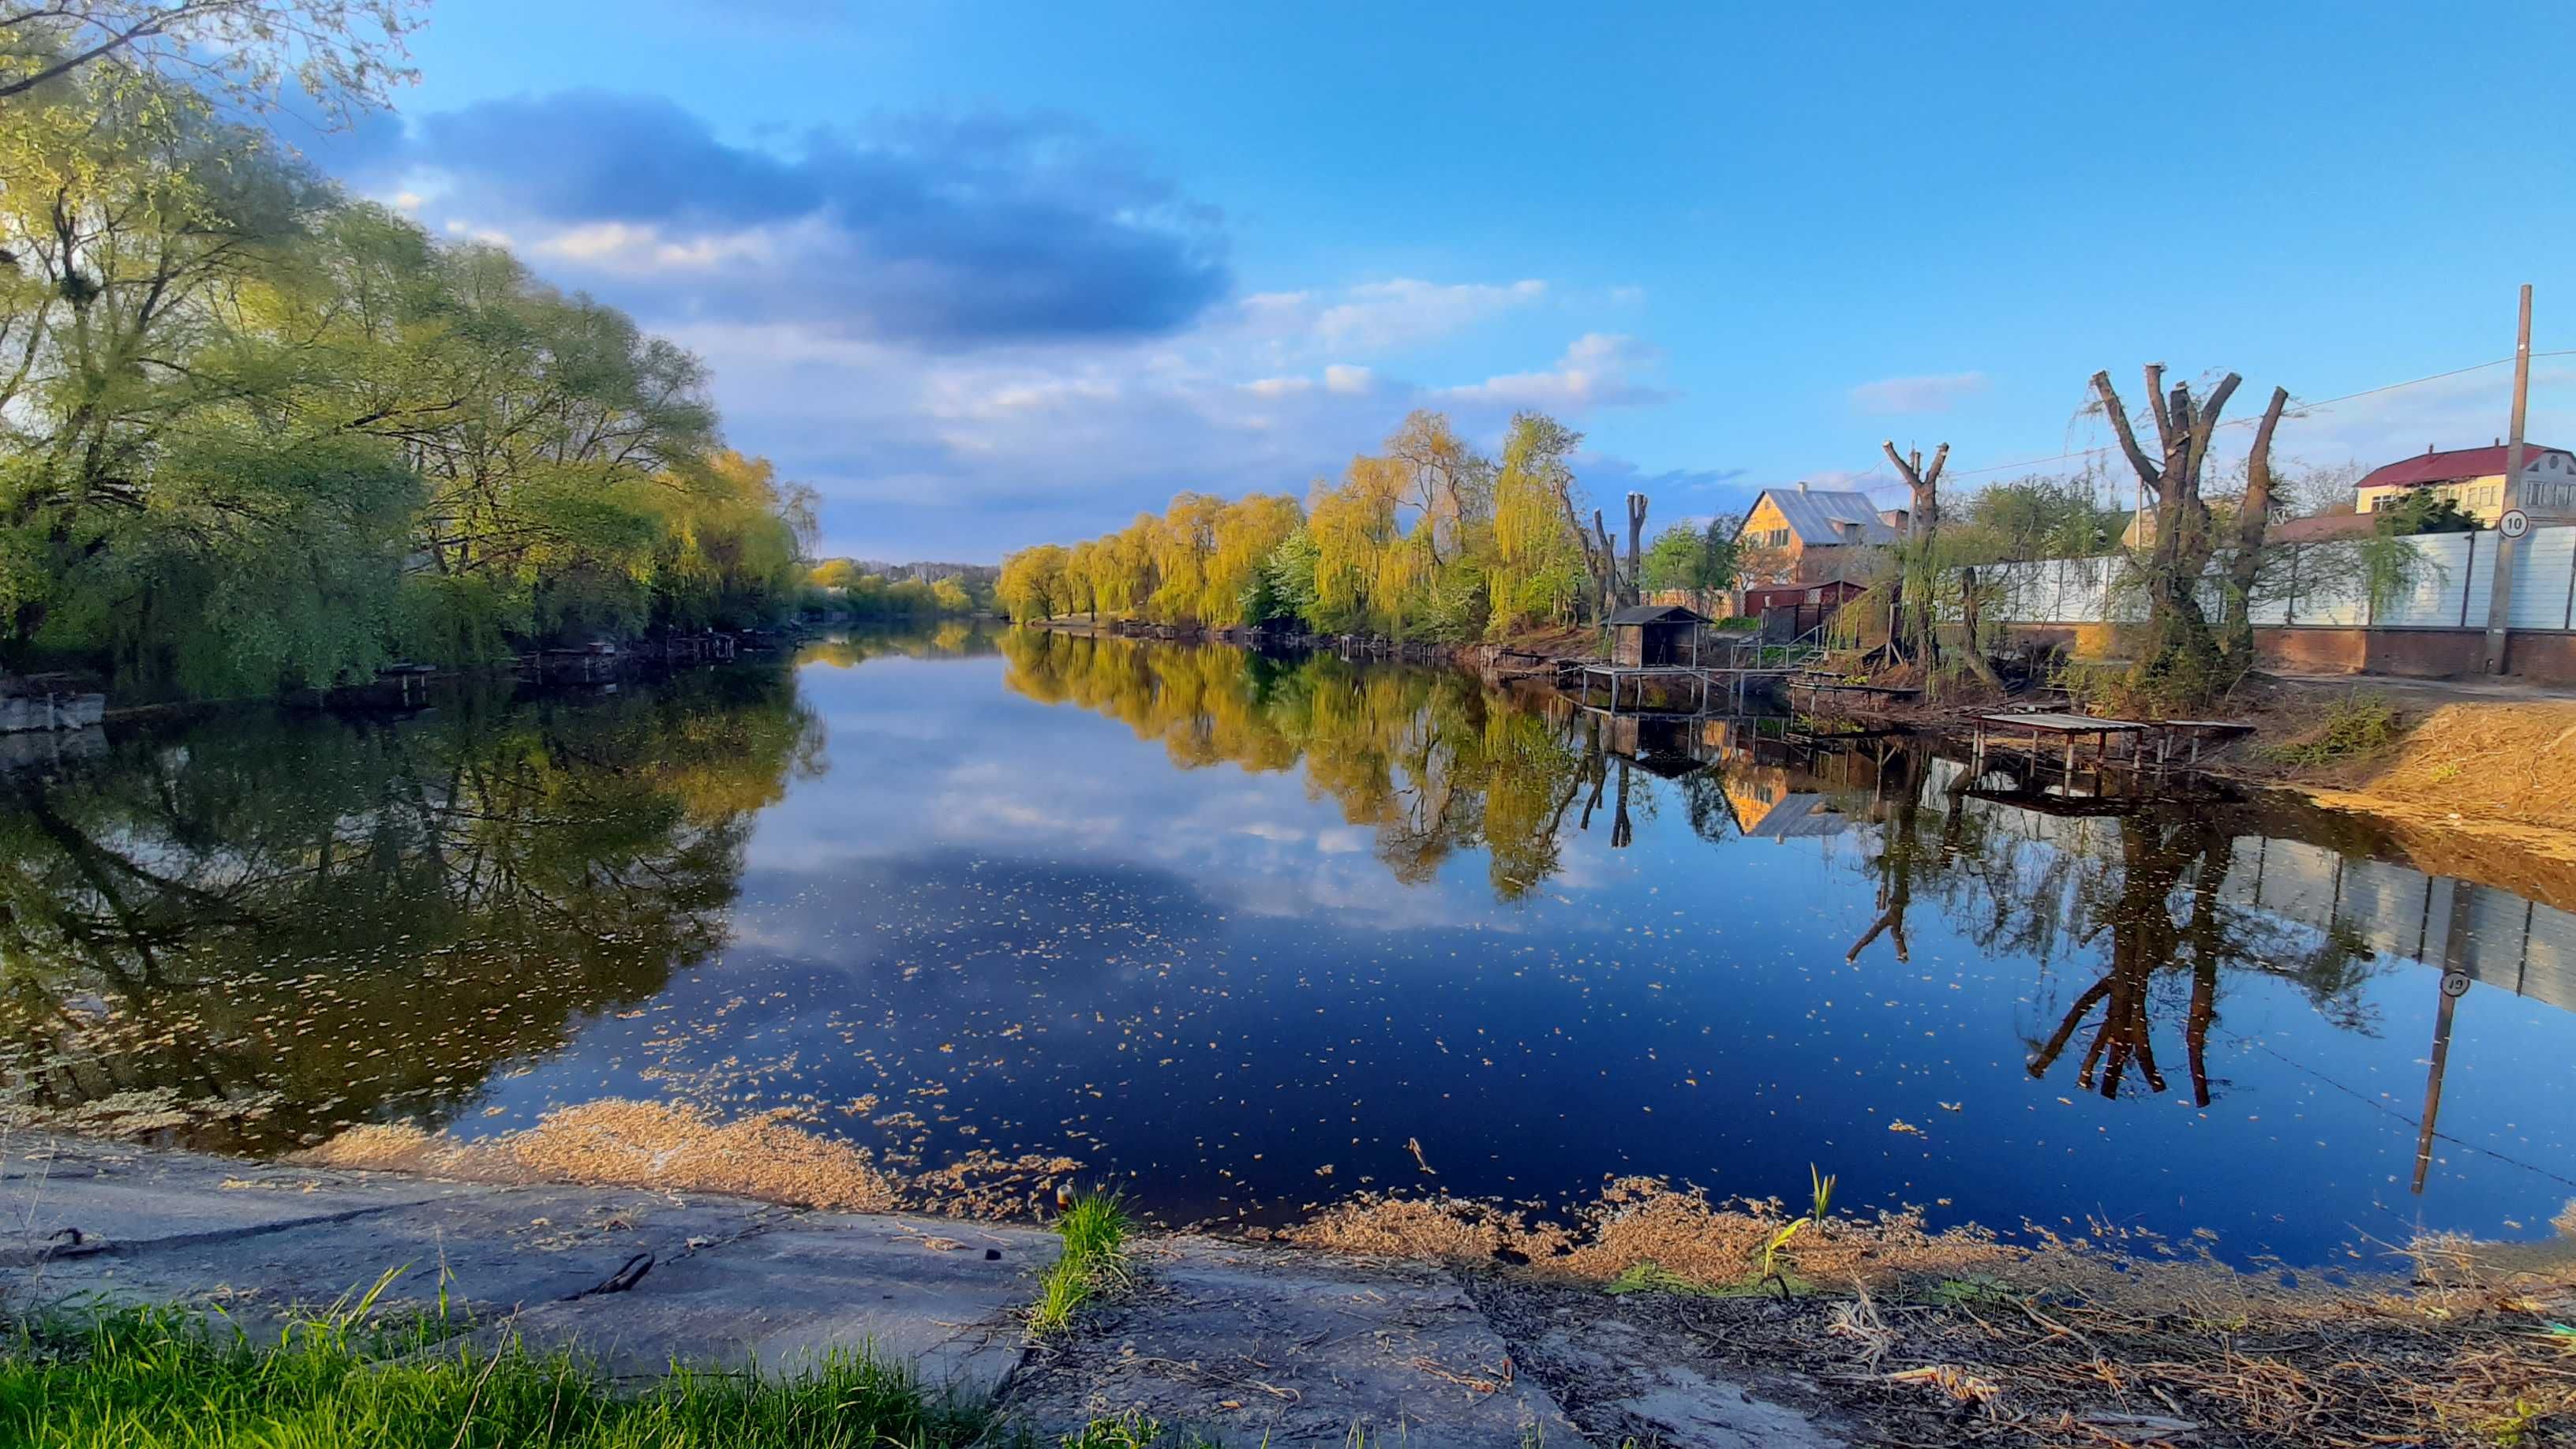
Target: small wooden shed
1655,636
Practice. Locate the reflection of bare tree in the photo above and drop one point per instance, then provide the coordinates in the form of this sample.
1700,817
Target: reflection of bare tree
1895,799
2030,875
2145,939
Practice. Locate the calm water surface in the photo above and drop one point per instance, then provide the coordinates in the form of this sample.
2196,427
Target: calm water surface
1243,933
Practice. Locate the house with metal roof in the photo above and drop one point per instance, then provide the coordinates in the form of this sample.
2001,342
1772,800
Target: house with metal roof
1811,535
2474,479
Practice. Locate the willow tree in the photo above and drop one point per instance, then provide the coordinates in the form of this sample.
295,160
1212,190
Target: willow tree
2179,663
1355,526
344,56
1448,485
1083,565
1540,552
1032,582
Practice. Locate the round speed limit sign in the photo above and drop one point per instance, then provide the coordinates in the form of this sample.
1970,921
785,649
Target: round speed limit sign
2514,524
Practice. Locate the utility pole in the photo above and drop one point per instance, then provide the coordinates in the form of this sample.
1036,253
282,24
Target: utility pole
2500,601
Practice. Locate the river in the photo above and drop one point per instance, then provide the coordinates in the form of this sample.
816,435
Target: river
1245,935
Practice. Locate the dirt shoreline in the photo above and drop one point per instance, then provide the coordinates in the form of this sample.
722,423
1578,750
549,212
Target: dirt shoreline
1448,1321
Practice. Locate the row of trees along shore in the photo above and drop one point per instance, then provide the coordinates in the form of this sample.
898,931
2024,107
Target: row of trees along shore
255,434
1427,539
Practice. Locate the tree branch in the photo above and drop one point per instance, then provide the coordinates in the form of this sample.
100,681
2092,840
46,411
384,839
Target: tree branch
2119,414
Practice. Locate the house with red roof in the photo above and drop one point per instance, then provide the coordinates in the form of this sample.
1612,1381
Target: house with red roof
2474,479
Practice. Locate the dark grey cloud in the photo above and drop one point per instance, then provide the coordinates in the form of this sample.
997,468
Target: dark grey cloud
587,156
941,232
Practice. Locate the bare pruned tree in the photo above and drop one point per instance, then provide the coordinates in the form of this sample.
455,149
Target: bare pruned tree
1922,577
2180,663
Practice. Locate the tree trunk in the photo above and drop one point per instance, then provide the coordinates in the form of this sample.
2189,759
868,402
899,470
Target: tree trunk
1609,565
1918,623
1635,592
2252,521
2179,667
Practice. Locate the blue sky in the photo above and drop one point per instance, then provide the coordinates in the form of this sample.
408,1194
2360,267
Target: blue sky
989,274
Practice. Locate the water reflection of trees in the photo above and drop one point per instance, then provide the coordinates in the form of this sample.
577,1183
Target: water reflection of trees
943,639
2124,905
2025,872
277,924
1429,761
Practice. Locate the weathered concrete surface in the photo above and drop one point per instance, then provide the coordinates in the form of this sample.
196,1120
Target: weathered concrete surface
934,1294
728,1281
1248,1343
1276,1346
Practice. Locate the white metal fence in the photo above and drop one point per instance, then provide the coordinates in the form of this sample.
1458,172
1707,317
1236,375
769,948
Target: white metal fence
2448,590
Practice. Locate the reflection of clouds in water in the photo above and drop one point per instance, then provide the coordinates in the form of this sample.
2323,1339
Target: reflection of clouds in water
1148,931
1000,774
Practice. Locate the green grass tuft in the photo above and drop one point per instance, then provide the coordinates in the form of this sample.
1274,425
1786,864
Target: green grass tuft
1062,1290
1094,1228
2353,727
149,1378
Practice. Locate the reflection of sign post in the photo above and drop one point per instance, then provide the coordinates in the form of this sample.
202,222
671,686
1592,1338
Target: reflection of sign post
2514,524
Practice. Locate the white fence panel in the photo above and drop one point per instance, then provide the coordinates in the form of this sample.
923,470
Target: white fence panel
2544,569
2324,587
2439,588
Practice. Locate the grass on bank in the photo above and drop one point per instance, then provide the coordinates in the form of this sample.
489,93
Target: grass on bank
1094,1228
144,1378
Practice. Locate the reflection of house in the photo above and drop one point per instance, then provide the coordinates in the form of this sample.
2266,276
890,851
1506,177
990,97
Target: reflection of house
1666,746
1764,805
1804,535
2474,479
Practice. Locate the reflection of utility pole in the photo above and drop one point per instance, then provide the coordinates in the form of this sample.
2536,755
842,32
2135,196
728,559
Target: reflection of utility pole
2455,984
2500,601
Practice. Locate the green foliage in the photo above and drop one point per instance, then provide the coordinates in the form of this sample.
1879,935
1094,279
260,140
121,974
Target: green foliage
1094,1230
1133,1430
2353,727
1976,1290
256,435
146,1377
2040,517
1656,1278
1823,1194
2423,511
1094,1227
1683,557
1428,540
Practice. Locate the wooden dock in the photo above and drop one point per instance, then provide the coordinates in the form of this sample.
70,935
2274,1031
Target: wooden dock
2071,728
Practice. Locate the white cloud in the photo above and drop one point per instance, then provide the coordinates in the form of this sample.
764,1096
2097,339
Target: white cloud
1383,316
1598,370
1348,380
1934,393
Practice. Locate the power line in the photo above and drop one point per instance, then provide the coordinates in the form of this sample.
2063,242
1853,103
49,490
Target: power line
2298,409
